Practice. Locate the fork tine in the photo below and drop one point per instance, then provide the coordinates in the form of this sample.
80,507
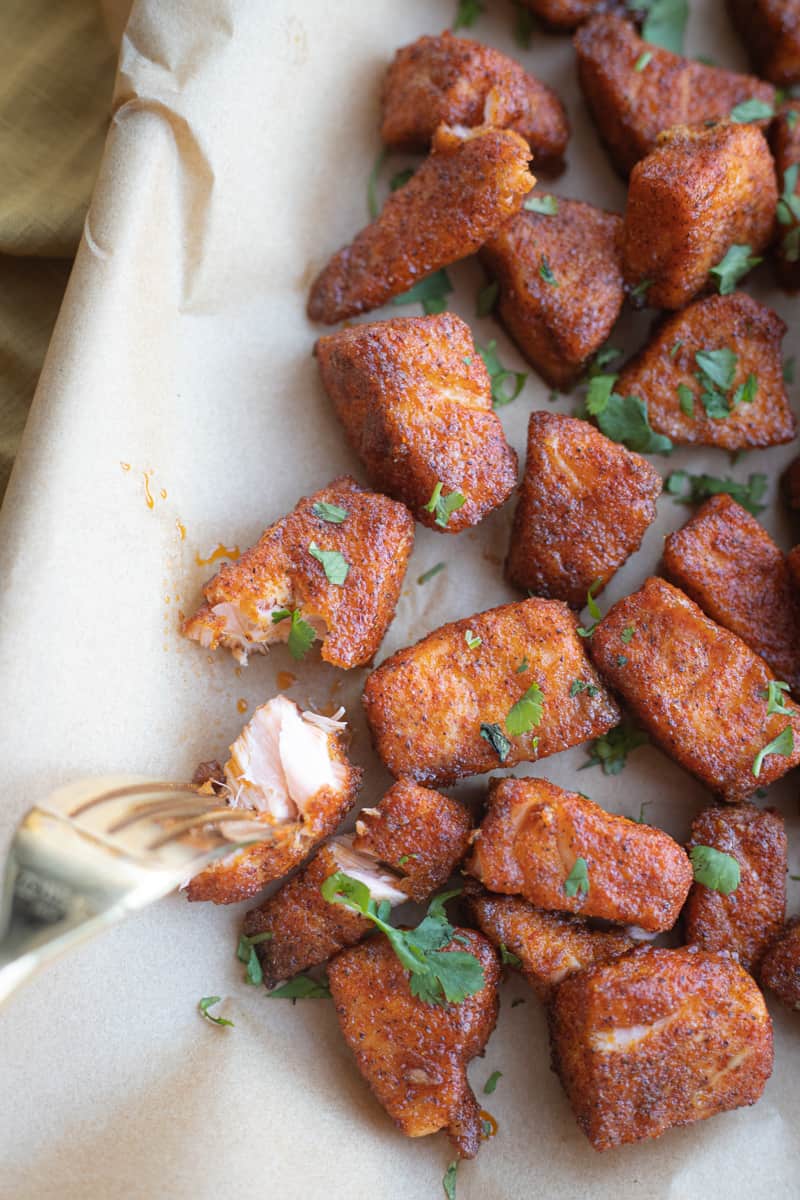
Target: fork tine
204,819
157,809
136,789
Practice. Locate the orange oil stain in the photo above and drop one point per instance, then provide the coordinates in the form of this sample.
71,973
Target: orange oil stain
181,528
218,552
242,705
125,466
490,1121
162,493
285,679
148,495
238,672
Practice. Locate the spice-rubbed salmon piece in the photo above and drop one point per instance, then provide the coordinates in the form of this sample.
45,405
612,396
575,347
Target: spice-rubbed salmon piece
414,1055
748,920
348,601
699,192
731,567
472,182
420,834
770,32
584,506
697,689
415,401
560,280
744,338
438,711
289,780
564,852
561,14
549,945
451,80
657,1039
780,969
785,142
631,104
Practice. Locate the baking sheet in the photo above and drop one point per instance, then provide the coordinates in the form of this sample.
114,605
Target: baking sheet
180,410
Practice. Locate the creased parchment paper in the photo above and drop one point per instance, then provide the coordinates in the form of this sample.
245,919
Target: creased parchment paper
181,374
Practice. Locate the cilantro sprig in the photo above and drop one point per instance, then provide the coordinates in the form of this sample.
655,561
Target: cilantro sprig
444,506
664,23
334,564
752,110
545,206
493,734
734,266
205,1004
301,634
788,214
624,419
334,514
774,697
715,869
577,882
612,749
715,375
783,745
431,293
436,976
246,953
507,958
586,631
449,1179
527,713
302,987
491,1082
686,488
506,385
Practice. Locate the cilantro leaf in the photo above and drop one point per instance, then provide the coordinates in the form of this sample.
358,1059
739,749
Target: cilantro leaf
373,207
752,110
430,292
774,698
788,212
612,749
665,22
594,611
546,273
734,266
746,392
487,298
718,367
301,634
302,987
436,976
642,288
400,179
604,356
577,882
467,13
714,869
246,953
627,634
205,1004
494,735
444,506
686,400
625,420
334,564
599,393
472,639
429,574
523,666
449,1180
498,376
491,1082
783,744
580,685
527,713
507,958
643,60
334,514
524,25
702,486
545,206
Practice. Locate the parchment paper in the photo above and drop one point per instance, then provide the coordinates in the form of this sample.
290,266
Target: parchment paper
181,369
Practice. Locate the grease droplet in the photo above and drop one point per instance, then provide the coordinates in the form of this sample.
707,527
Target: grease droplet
285,679
163,493
181,528
242,705
219,551
125,466
148,495
489,1124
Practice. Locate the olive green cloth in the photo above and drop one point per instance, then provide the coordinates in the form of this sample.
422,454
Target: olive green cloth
57,63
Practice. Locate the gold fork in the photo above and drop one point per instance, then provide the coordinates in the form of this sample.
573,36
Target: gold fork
100,849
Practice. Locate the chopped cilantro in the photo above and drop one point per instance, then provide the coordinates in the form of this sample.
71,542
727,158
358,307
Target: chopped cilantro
546,273
302,987
334,564
429,574
604,356
783,744
527,713
449,1180
436,976
622,660
400,179
491,1082
774,698
625,420
467,13
686,400
643,59
734,266
444,506
523,666
580,685
431,293
594,611
472,639
487,298
301,634
714,869
404,858
334,514
612,749
493,734
627,634
702,486
640,819
675,347
507,958
577,882
599,393
545,206
245,952
640,291
752,110
205,1004
664,23
498,375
